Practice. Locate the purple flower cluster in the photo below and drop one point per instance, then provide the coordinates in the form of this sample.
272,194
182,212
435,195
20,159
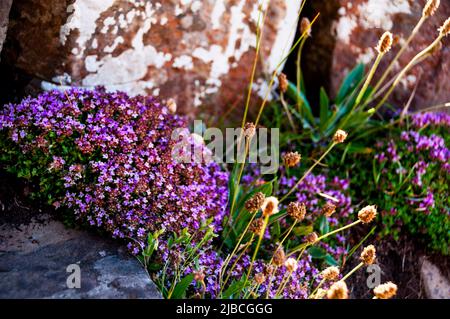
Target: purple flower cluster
430,119
113,154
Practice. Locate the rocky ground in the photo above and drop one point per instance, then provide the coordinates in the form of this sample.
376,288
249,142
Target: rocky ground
418,273
40,256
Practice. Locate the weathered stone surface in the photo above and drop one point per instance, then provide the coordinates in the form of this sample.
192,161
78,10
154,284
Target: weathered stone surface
435,284
360,24
34,258
198,52
5,6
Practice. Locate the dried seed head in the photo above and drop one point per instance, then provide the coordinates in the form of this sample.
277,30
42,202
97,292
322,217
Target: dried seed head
385,291
279,257
291,264
305,27
199,275
270,206
249,130
338,290
260,278
255,203
256,226
328,209
311,238
291,159
330,273
171,106
430,8
282,82
296,210
368,255
445,28
367,214
339,136
269,270
385,43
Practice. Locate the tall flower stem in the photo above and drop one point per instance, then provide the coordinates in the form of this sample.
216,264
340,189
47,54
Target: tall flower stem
399,53
308,171
236,247
255,253
317,288
304,246
413,62
352,271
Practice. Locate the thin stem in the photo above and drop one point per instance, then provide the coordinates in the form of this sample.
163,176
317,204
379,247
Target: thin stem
317,288
352,271
419,56
308,171
399,53
261,235
304,246
368,79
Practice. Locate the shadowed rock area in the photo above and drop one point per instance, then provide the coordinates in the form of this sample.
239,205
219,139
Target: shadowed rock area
34,258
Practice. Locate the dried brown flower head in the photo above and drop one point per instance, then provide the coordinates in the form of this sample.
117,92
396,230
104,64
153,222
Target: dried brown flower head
282,82
330,273
254,204
368,255
291,159
249,130
311,238
260,278
279,257
385,291
269,270
296,210
328,209
291,264
367,214
270,206
199,275
445,28
256,226
430,8
338,290
339,136
385,43
305,27
171,106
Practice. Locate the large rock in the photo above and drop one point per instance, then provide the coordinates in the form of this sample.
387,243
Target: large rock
436,285
5,6
357,29
198,52
34,261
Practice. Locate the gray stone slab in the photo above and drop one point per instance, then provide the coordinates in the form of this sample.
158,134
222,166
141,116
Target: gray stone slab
436,285
34,259
5,6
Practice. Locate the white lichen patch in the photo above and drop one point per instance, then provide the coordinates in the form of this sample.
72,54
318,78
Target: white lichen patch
370,14
183,62
83,18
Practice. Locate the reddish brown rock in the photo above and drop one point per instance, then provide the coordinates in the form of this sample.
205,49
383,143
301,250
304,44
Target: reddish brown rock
198,52
5,6
357,29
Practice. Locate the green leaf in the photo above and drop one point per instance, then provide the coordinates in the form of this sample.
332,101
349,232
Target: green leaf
350,82
317,252
330,260
324,225
179,291
303,230
324,108
235,287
